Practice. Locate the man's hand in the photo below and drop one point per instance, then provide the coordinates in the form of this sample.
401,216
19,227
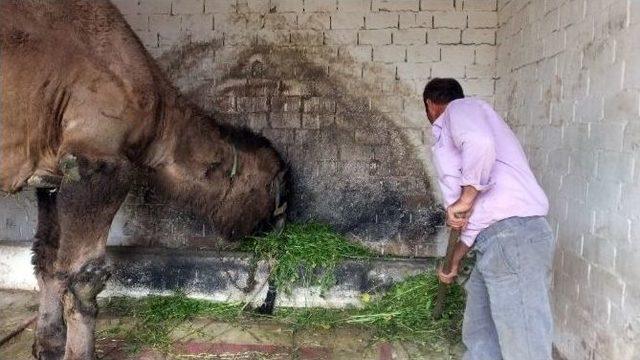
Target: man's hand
450,277
458,214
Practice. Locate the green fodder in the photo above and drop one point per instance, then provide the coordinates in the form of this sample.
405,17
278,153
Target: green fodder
404,313
152,318
304,254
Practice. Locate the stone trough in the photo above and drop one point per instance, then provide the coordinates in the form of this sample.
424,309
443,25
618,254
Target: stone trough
219,276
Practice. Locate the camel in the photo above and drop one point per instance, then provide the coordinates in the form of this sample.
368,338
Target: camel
84,111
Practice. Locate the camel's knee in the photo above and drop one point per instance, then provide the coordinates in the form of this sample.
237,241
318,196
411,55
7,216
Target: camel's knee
84,286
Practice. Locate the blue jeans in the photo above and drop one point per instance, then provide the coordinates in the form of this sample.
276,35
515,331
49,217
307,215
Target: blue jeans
508,315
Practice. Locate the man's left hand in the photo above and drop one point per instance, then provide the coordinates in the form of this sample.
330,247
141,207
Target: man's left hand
450,277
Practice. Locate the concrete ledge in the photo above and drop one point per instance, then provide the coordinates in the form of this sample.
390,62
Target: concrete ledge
218,276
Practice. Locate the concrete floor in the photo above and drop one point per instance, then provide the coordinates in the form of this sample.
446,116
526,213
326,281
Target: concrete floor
209,339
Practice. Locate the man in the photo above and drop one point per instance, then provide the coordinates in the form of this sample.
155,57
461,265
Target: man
492,196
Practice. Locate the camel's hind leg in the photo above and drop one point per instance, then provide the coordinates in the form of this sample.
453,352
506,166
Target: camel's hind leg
51,332
90,194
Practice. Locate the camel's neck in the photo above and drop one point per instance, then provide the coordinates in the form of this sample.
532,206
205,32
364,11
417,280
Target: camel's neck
174,125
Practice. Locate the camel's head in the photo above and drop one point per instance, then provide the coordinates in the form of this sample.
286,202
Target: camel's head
232,176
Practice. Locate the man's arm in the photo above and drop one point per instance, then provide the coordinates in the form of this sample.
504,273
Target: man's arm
462,207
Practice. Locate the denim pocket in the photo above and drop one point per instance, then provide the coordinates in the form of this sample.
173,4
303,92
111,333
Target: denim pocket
538,230
500,257
509,252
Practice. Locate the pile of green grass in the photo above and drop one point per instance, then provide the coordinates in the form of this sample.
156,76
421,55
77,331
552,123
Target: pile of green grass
304,254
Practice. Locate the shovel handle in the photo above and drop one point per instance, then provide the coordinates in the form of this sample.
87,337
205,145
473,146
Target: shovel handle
443,289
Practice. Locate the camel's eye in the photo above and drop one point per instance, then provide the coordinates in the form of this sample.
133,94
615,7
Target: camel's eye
211,168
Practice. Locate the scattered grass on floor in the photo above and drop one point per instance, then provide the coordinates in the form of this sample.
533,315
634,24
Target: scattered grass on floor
304,254
404,313
152,318
307,255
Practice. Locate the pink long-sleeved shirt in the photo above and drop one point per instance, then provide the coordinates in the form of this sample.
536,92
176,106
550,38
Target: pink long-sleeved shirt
474,146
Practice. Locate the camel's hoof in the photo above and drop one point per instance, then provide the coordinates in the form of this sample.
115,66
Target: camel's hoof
40,353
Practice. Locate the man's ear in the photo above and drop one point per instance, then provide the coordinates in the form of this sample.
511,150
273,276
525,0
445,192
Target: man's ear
428,103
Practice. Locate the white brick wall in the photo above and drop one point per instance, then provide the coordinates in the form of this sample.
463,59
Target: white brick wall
568,83
433,37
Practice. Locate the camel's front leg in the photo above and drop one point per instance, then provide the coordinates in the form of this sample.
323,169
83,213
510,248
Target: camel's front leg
50,337
90,194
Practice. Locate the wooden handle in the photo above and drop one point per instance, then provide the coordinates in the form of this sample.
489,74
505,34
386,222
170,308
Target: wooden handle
454,235
443,289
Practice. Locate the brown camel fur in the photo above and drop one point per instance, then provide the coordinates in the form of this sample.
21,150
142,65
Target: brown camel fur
84,110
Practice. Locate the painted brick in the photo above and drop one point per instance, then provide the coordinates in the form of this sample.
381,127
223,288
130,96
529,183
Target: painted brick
374,37
410,37
423,53
445,69
622,106
395,5
455,20
286,104
313,21
444,36
180,7
479,36
482,19
485,55
342,37
389,54
354,5
407,20
252,104
382,20
356,153
320,6
608,136
387,103
599,251
287,5
414,71
615,166
484,5
154,7
444,5
307,37
253,6
478,87
480,71
354,20
311,121
166,25
219,6
288,120
360,53
458,55
198,25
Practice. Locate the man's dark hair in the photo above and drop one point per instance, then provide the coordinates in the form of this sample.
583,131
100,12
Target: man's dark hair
442,90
